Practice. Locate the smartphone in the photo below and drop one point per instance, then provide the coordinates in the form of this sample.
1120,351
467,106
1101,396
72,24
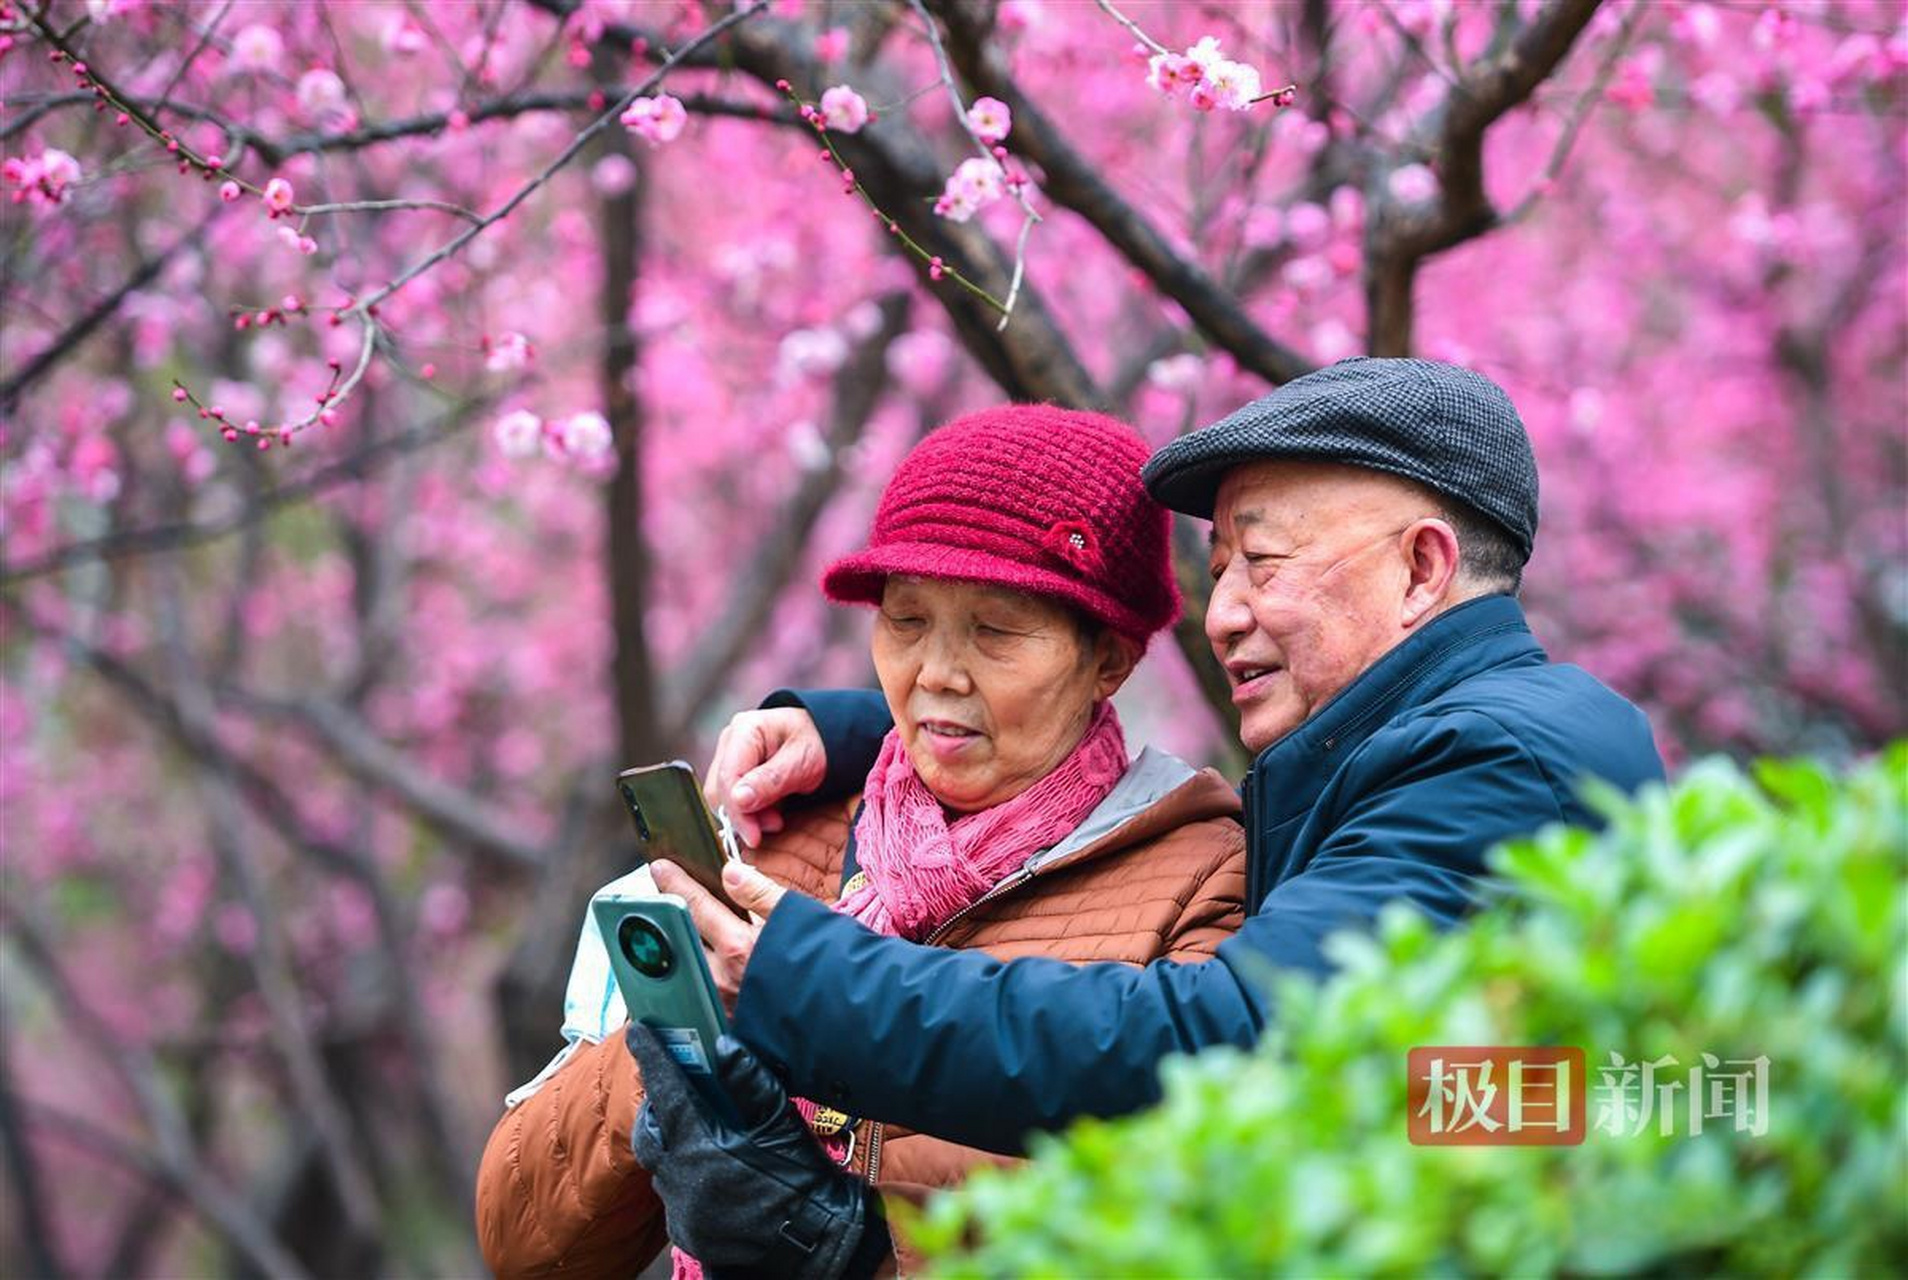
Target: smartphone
656,956
673,821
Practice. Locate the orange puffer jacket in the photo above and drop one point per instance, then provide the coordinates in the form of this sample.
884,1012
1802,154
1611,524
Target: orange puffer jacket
1157,872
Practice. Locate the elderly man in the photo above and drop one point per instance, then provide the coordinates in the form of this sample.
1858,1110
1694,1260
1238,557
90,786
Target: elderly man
1370,523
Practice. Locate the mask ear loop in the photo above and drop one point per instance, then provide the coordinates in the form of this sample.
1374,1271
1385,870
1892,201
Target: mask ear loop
726,831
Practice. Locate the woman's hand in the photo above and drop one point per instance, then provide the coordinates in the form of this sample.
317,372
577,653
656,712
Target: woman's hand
761,759
746,1189
728,941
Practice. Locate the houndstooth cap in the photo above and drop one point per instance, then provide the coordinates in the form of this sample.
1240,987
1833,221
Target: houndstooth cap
1448,428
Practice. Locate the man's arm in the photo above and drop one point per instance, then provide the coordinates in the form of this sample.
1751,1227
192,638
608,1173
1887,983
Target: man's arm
968,1048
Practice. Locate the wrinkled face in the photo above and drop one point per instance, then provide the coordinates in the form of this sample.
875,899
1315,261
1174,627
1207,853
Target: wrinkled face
990,688
1310,569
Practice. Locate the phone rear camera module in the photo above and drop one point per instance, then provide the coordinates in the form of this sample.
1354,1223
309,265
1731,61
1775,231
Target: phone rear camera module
645,947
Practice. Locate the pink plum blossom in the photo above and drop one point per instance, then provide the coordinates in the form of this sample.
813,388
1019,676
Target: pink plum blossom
657,119
509,352
257,48
321,96
42,179
1206,77
230,191
990,119
1412,184
278,196
832,45
974,184
844,110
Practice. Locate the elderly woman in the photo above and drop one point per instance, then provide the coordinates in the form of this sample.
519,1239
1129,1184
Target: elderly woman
1018,570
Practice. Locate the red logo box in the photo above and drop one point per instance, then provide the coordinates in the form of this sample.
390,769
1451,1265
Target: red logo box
1496,1096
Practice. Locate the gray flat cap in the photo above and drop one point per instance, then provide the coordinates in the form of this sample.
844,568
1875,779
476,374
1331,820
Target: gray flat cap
1449,429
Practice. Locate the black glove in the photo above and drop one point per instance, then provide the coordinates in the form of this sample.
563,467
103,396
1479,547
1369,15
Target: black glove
750,1192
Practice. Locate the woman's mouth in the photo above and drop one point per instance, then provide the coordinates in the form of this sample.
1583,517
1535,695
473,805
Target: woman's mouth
947,739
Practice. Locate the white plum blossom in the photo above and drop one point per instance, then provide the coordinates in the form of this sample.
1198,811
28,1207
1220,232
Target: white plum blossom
1206,77
844,110
586,435
517,433
990,119
321,96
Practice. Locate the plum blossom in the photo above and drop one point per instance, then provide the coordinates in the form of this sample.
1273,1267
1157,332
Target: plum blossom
832,45
511,351
42,179
517,433
1206,77
974,185
613,175
1180,374
257,48
278,196
812,352
404,38
299,244
844,110
657,119
586,435
1412,184
321,96
990,119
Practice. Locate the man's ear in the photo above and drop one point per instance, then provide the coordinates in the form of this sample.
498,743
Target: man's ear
1114,657
1430,550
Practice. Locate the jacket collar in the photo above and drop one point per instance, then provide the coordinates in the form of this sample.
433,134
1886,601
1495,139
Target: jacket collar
1477,635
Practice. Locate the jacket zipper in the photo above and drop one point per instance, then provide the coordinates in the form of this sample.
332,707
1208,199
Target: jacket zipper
1008,885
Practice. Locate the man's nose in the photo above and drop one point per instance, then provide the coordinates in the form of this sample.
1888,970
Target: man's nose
1228,615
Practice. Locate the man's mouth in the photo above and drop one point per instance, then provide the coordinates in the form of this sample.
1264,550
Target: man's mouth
948,729
1247,678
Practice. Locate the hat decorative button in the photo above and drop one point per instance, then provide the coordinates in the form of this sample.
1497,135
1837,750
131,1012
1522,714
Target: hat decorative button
1073,544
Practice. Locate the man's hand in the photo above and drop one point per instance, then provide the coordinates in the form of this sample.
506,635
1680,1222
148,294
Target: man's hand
729,941
761,759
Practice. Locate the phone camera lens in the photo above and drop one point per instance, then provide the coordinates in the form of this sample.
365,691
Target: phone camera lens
645,947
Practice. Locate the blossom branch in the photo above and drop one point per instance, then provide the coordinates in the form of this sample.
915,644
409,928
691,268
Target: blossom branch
1071,181
1579,116
1106,6
987,153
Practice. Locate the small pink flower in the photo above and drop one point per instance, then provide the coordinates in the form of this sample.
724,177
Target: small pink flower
229,192
990,119
1412,184
511,351
404,38
257,48
1234,85
832,44
321,96
278,196
518,433
974,185
844,110
43,178
657,120
613,175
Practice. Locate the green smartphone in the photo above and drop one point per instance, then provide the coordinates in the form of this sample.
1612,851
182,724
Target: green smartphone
656,955
673,822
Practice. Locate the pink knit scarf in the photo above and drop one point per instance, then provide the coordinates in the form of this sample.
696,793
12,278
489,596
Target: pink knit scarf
922,869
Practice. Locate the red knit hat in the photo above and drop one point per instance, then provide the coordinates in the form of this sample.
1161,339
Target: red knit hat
1029,496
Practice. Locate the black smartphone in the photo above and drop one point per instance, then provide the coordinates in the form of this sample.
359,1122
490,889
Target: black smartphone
673,822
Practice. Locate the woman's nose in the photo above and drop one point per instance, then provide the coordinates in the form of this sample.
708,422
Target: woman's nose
943,667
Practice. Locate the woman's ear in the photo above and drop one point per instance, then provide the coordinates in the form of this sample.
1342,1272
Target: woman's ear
1114,657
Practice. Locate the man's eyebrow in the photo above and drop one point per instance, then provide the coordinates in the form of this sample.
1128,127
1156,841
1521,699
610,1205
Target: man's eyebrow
1240,520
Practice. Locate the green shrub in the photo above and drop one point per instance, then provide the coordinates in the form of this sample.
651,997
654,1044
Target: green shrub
1727,915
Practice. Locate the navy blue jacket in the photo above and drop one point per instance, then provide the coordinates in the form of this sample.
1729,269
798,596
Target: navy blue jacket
1461,737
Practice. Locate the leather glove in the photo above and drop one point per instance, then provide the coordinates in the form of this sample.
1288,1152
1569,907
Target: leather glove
746,1188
